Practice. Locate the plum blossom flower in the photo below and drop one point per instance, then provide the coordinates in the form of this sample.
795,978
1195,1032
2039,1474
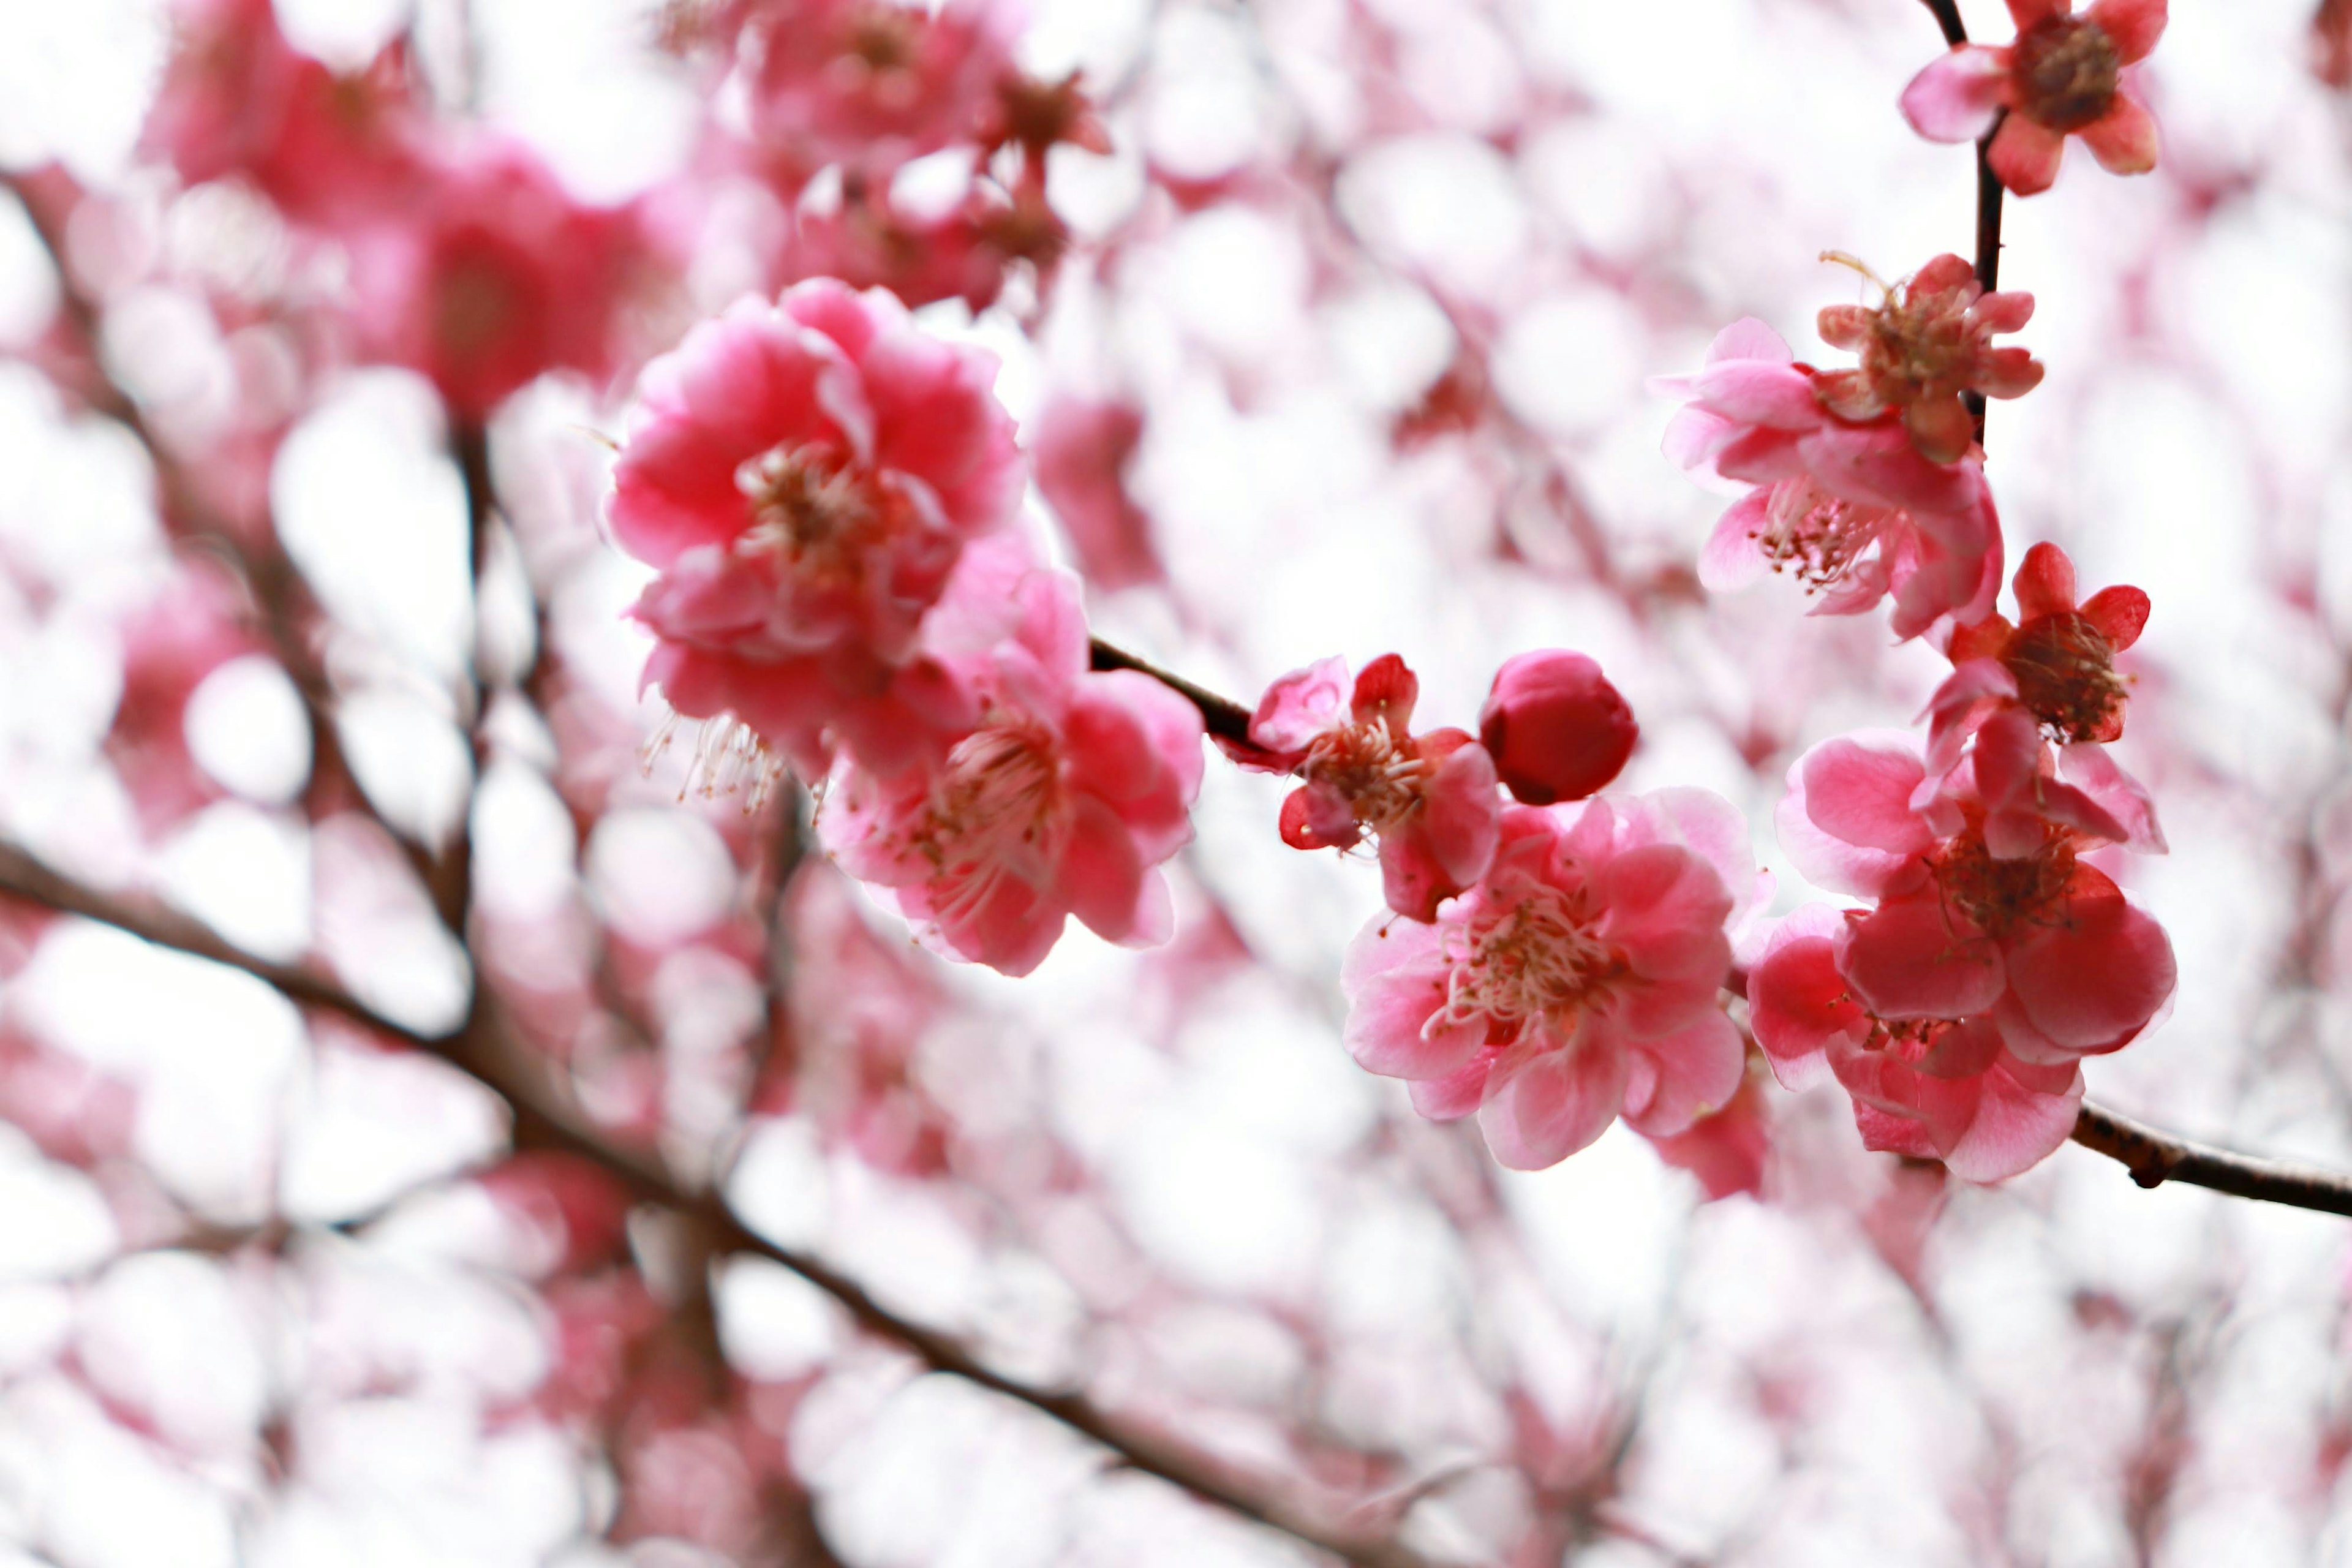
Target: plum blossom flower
1556,728
805,477
501,277
1429,799
1082,448
1578,981
2057,663
237,99
1729,1150
1064,799
1932,1088
875,82
1985,906
1928,341
2063,76
1852,511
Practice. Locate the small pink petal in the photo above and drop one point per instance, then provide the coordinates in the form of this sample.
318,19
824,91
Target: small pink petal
2091,981
1956,97
2124,140
1912,958
2025,154
2135,26
1555,1103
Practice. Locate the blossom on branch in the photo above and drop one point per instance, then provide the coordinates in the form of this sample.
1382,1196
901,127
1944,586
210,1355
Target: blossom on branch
1063,799
1851,509
2063,76
1992,941
1575,983
1929,340
1429,799
805,477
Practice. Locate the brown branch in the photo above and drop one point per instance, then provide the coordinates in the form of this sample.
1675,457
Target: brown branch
544,1116
1223,717
1989,192
2154,1157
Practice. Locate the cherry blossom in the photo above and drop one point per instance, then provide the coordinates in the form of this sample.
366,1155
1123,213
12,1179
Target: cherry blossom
805,477
1853,511
1932,1088
1985,904
1082,448
238,100
1429,799
1555,726
2057,663
2063,76
1577,982
1064,799
505,277
1927,341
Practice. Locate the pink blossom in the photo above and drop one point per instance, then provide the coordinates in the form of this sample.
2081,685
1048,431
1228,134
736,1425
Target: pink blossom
1062,800
1556,728
1578,981
1429,799
805,476
237,99
1852,511
1929,341
1082,449
501,277
875,82
195,625
2057,663
1985,906
1729,1150
1932,1088
2063,76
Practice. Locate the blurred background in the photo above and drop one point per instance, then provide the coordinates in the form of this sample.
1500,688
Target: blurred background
405,1236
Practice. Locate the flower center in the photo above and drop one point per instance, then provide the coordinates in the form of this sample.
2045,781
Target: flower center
1379,774
2067,70
1815,535
884,38
2000,895
1535,958
995,805
1918,339
810,512
2066,672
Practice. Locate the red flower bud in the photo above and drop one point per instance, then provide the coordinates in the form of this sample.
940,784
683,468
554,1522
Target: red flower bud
1556,728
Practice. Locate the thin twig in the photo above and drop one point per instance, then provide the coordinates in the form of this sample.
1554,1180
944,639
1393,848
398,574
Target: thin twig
1223,717
2154,1157
545,1117
1989,194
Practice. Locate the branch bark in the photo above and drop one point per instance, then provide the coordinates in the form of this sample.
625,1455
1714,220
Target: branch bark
1989,192
483,1049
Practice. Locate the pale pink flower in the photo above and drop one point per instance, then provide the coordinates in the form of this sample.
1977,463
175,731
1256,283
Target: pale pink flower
500,277
1729,1150
1932,1088
237,99
1556,728
2063,76
1577,982
1852,511
1082,449
1986,906
1928,341
1430,800
874,83
805,476
1064,799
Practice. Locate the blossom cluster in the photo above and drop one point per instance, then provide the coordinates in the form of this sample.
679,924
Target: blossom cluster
828,496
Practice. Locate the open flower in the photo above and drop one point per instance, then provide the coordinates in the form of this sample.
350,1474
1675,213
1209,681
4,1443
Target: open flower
805,475
1429,799
1985,905
1577,982
1063,799
1852,511
1932,1088
1928,341
2063,76
875,82
2057,663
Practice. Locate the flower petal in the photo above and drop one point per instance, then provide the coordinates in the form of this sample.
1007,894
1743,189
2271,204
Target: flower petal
2124,140
1956,97
2090,982
2135,26
2026,154
1553,1103
1912,958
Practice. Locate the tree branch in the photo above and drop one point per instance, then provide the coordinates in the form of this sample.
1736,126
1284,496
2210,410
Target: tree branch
2154,1157
1989,192
1221,716
483,1049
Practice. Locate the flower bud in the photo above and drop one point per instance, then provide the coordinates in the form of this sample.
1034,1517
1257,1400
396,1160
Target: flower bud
1556,728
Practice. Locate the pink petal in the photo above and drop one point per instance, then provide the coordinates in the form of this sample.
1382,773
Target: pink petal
1847,820
1798,1002
1912,958
2015,1128
2026,154
1553,1104
2134,25
1462,813
1732,558
2119,613
1665,908
2092,981
2124,140
2005,311
2024,13
1695,1072
1395,978
2119,793
1750,338
1301,705
1777,396
1956,97
1101,874
2044,584
1458,1093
